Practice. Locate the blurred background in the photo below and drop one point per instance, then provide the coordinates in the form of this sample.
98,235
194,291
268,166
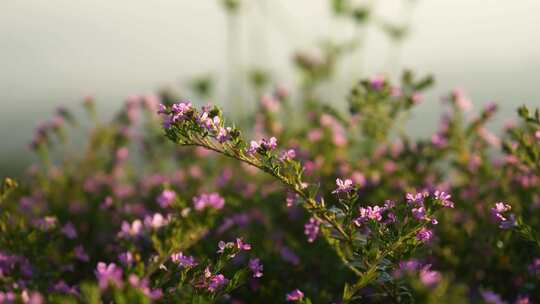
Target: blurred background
56,52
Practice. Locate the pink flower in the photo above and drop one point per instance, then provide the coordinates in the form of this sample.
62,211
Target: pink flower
183,260
429,277
311,229
256,267
166,198
295,295
205,200
288,155
80,254
216,281
108,275
444,198
155,221
241,245
343,185
424,235
69,231
132,230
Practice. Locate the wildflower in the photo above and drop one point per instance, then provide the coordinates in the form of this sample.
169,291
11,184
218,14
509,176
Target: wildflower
500,212
444,198
204,200
166,198
424,235
241,245
534,267
289,256
311,229
155,221
183,260
32,297
126,258
216,281
179,111
288,155
46,223
269,144
80,254
108,274
132,230
537,134
291,198
369,213
223,134
295,295
62,287
491,297
419,213
377,82
429,277
523,300
256,267
211,124
264,144
416,199
343,185
142,285
69,231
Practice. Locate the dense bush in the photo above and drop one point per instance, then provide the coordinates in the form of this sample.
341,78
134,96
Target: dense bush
169,202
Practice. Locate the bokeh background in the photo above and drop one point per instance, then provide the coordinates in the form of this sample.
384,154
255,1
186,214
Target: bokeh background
56,52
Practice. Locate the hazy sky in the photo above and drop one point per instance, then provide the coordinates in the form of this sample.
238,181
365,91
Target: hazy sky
57,51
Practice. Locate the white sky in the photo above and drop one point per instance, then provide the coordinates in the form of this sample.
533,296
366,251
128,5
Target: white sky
55,52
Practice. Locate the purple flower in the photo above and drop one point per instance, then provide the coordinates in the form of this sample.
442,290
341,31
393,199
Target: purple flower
369,213
256,267
216,281
183,260
343,185
416,199
491,297
419,213
289,256
429,277
204,200
223,134
377,82
142,285
241,245
311,229
295,295
166,198
501,213
287,155
210,124
108,274
269,144
69,231
265,144
62,287
179,111
253,147
424,235
132,230
155,221
537,134
80,254
291,198
444,198
126,258
523,300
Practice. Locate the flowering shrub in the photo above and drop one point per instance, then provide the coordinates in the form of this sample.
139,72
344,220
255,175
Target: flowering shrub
338,208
